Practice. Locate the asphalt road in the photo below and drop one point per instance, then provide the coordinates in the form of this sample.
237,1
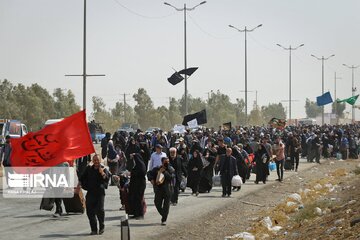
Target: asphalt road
22,219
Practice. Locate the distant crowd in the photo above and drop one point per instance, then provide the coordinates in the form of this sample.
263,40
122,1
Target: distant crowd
202,158
198,159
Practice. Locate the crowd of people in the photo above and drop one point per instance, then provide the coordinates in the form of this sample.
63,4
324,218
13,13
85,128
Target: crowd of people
195,158
199,159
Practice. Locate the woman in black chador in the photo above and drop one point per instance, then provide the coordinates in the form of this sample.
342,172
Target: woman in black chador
194,170
137,187
208,171
262,160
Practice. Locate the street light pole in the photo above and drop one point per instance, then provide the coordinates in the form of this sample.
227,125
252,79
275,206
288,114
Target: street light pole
84,75
185,45
245,30
290,49
322,81
353,89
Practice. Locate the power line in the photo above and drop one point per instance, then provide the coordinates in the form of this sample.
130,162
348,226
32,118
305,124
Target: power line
141,15
206,32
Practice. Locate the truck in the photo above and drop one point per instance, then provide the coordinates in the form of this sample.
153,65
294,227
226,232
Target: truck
13,128
96,131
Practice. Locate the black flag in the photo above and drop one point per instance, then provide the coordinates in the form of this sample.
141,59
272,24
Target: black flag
188,71
175,78
200,118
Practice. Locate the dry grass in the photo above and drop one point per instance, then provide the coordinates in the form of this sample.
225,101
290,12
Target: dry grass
357,171
280,213
309,211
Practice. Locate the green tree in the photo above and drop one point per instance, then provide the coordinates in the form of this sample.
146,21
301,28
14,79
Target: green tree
123,115
163,117
239,112
276,110
220,109
65,104
312,109
144,109
194,105
174,112
338,109
102,116
9,108
256,117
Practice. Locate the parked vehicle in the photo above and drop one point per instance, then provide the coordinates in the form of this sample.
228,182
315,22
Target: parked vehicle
306,121
152,129
96,131
129,127
13,128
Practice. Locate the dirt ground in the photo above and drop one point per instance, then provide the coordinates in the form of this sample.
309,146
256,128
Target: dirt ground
247,212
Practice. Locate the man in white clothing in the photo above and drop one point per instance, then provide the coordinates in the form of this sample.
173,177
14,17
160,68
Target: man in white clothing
155,159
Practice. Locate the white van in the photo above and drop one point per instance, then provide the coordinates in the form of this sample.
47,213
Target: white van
13,128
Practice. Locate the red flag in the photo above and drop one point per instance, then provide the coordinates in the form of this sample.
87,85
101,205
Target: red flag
56,143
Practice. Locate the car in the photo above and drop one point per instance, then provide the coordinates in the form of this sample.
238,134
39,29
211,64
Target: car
152,129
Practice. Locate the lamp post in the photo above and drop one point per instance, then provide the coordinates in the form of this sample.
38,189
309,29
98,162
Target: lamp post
245,30
322,81
353,89
84,75
185,47
290,49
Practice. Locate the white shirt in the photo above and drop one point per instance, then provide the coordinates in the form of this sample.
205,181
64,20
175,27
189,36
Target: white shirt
155,160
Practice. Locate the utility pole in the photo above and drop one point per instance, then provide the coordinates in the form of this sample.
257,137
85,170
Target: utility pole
84,75
322,59
245,30
185,9
353,89
290,49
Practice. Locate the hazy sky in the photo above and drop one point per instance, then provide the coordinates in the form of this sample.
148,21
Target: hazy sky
137,42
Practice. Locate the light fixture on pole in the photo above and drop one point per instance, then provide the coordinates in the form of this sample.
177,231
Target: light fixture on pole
353,89
245,30
322,81
185,46
290,49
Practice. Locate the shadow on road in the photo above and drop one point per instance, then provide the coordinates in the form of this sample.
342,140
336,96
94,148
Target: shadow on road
35,216
57,235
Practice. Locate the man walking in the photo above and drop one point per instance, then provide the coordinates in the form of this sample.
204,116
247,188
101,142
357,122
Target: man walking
161,177
155,159
228,169
95,180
